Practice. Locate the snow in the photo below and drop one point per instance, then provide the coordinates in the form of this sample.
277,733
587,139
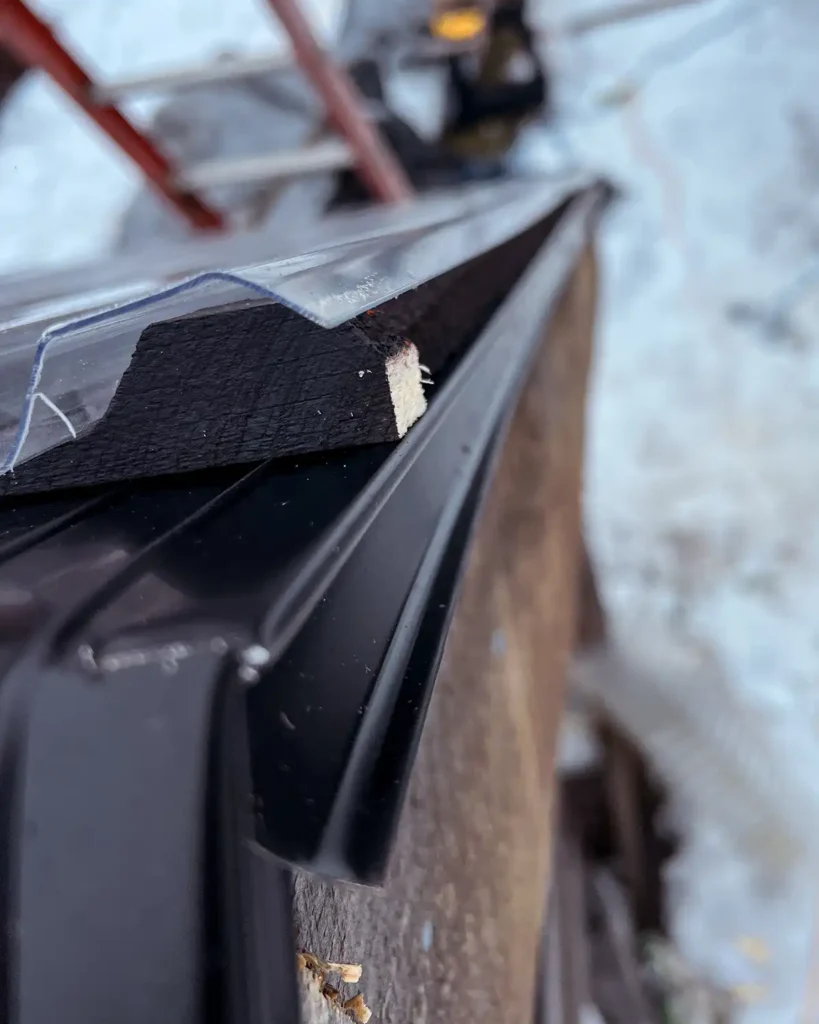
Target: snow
702,489
63,185
702,484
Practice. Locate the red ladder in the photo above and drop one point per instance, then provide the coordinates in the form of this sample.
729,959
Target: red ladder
360,145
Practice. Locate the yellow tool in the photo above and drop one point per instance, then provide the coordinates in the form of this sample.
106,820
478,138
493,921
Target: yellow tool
458,25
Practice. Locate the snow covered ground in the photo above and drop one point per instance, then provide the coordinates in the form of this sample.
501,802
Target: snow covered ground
703,471
63,185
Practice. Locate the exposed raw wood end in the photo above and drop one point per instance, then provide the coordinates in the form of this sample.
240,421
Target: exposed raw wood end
316,1008
406,390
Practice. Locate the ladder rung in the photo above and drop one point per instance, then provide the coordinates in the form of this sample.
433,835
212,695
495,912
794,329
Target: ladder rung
434,51
172,79
327,155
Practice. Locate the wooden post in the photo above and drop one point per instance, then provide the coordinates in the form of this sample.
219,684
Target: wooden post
456,933
631,796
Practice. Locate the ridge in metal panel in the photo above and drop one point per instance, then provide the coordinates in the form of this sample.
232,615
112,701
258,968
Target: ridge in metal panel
276,632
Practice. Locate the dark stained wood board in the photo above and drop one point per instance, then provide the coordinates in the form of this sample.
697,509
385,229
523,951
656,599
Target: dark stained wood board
254,380
455,934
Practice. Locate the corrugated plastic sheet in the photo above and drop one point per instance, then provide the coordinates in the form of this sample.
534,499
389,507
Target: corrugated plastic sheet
69,353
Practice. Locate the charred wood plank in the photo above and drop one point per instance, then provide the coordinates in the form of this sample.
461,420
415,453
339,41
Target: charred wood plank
255,380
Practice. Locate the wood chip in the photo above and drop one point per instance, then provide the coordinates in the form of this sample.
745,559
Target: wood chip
351,973
358,1009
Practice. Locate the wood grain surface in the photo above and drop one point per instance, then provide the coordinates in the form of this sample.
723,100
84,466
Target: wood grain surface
252,380
455,934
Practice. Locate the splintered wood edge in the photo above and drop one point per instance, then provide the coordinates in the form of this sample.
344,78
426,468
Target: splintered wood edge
321,1003
403,371
315,1007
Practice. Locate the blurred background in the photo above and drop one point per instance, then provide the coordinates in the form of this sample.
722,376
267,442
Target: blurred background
702,477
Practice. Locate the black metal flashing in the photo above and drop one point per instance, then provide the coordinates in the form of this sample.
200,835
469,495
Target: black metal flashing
194,670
